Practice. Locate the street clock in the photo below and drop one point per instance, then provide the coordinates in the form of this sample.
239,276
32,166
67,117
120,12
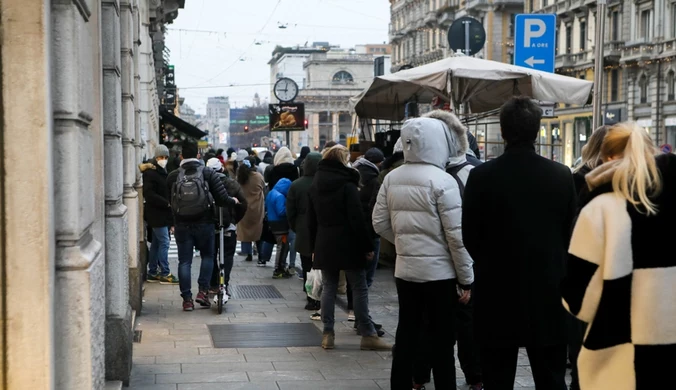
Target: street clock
285,89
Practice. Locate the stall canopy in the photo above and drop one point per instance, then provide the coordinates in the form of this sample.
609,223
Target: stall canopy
181,125
484,84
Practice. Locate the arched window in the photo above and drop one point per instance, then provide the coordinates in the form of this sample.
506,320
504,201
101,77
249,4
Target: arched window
343,77
670,85
643,89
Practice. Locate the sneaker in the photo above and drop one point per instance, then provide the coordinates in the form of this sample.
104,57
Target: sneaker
227,291
203,298
291,271
279,274
316,316
374,343
188,305
249,257
214,290
153,278
169,279
351,317
380,332
328,340
261,263
312,305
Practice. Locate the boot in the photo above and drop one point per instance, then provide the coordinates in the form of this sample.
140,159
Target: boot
249,257
374,343
328,340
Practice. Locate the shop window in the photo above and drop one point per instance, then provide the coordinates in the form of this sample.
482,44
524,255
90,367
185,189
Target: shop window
670,84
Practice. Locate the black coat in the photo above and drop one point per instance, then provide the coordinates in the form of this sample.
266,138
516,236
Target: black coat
156,208
580,182
282,171
234,213
336,221
517,218
369,190
473,145
218,192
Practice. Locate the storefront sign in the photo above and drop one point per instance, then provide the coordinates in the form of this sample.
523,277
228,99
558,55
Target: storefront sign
670,121
287,117
646,122
612,116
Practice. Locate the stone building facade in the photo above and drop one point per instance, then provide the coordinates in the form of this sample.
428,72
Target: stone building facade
418,28
639,61
79,101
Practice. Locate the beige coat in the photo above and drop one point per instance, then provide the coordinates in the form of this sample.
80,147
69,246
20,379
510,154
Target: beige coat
249,229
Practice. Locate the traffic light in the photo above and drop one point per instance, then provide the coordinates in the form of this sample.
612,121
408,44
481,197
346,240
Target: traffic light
246,128
305,122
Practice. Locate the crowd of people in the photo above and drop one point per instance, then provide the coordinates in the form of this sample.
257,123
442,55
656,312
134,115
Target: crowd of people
517,252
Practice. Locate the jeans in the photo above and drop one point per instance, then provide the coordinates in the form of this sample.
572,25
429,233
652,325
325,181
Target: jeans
229,248
292,249
265,252
200,237
434,301
373,265
282,251
159,251
247,247
548,365
360,292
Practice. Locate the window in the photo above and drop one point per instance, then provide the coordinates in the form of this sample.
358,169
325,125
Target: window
531,5
672,18
583,36
615,26
614,85
643,89
645,29
343,77
670,85
569,38
512,25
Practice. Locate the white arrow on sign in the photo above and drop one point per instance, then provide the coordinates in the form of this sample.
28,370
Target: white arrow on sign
532,62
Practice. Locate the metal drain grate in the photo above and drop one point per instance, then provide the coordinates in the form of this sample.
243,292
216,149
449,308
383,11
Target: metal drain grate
265,335
137,336
255,292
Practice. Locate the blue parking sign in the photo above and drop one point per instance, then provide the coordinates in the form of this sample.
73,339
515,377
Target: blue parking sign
535,41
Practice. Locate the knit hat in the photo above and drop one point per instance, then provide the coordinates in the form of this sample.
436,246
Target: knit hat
215,164
161,151
398,146
374,155
241,155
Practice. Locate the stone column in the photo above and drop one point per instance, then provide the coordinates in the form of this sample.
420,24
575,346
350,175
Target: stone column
131,198
139,145
314,131
118,311
79,296
335,126
26,197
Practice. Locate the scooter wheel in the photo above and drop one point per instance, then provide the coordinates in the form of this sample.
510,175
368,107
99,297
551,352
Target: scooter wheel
220,301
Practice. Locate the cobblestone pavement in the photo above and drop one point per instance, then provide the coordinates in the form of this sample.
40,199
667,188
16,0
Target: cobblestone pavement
176,350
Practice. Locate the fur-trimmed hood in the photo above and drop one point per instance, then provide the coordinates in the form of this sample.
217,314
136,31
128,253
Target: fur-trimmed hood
146,166
453,124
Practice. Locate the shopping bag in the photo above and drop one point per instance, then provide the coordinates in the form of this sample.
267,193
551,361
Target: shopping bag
315,290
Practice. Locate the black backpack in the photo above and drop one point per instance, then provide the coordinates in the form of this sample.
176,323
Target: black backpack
453,171
191,199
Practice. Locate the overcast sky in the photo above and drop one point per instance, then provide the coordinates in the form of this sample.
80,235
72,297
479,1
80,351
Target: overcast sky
212,42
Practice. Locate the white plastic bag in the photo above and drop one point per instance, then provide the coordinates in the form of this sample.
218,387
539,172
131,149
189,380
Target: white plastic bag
314,284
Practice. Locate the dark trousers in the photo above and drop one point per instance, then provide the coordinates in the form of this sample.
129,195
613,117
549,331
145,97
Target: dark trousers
425,300
229,248
468,348
282,250
306,263
576,329
548,365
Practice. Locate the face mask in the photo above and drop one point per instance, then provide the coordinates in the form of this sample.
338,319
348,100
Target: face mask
162,163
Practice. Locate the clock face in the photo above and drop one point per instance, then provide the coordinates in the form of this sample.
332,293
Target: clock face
286,89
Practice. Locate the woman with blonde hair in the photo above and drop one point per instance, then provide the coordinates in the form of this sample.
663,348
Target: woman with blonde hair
341,242
621,275
591,158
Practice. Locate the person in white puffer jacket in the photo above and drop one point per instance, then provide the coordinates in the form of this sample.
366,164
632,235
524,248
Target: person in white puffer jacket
419,208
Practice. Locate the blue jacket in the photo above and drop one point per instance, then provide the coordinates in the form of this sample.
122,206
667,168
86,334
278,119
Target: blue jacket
275,202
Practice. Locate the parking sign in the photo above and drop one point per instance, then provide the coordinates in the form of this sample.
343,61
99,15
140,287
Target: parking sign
535,41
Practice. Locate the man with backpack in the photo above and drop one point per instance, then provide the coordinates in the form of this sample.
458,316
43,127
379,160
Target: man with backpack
195,191
230,217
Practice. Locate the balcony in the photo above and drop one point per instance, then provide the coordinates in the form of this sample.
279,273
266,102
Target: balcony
430,18
637,50
447,18
612,52
565,60
478,5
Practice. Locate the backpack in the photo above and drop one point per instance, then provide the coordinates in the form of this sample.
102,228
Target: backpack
453,171
191,199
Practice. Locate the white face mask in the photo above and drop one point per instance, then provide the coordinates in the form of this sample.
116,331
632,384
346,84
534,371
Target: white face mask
162,163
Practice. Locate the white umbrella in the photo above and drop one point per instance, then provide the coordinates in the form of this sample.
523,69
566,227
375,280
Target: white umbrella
484,84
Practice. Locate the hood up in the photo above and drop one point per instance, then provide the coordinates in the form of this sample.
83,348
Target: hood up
283,186
310,163
304,151
146,166
362,162
428,141
283,156
454,125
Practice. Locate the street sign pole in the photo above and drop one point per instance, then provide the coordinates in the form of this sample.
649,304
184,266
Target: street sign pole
468,51
597,119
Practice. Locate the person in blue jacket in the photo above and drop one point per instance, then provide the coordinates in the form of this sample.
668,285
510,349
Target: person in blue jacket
275,206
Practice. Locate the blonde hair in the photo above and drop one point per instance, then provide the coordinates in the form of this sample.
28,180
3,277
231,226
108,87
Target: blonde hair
591,152
337,153
636,177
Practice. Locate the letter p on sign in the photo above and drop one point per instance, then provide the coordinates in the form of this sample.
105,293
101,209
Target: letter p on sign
535,28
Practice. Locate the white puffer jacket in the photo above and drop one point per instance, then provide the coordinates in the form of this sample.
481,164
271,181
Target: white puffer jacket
419,207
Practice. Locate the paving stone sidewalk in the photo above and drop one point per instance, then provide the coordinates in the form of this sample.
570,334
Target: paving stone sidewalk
176,350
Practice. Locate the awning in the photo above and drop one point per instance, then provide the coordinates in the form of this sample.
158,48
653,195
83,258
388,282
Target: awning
181,125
